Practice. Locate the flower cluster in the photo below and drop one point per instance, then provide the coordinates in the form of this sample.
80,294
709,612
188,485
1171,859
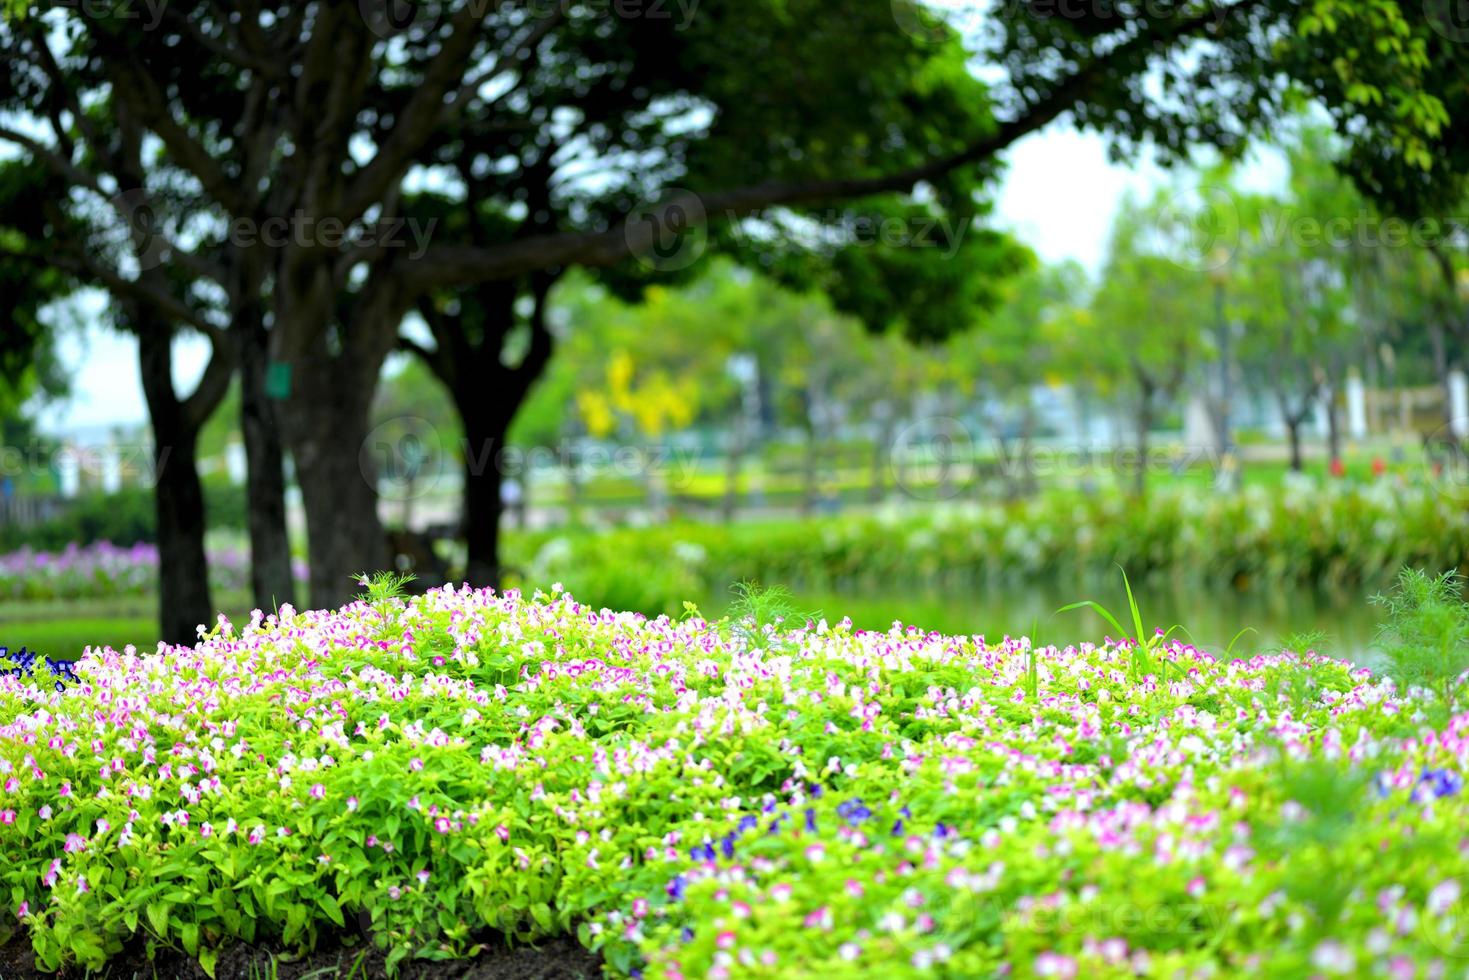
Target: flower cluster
105,571
24,667
704,799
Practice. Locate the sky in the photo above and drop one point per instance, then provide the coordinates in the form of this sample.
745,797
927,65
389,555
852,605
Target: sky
1059,194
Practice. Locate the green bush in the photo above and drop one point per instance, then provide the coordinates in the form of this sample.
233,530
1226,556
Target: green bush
755,797
1330,537
125,518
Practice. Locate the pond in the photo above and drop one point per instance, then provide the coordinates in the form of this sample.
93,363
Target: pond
1347,622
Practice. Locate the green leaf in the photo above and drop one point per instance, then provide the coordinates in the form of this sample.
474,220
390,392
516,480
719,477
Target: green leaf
331,908
158,918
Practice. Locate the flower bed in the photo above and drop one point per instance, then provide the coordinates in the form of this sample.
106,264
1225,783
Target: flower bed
106,571
1300,536
731,799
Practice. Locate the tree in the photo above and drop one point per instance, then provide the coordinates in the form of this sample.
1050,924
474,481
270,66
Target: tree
312,120
28,363
1149,314
1016,348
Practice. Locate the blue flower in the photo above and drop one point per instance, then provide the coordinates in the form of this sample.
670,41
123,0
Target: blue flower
1442,782
811,820
702,852
854,812
676,887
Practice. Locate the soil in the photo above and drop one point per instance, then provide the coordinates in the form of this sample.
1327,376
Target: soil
561,958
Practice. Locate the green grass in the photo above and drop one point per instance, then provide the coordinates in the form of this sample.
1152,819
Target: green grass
64,629
65,639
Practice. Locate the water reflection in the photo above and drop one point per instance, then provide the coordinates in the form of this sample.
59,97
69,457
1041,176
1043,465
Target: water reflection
1345,624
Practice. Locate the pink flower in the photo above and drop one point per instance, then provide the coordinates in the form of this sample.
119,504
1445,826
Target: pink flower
1055,965
74,843
1443,896
7,817
318,792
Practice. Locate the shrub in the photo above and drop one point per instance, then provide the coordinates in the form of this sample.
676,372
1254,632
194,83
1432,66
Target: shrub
125,518
1298,537
754,797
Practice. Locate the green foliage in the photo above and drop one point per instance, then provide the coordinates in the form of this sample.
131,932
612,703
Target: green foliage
481,765
1144,644
125,518
761,612
385,593
1425,635
1324,537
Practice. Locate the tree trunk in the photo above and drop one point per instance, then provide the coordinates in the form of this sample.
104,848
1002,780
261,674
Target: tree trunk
1144,427
271,579
486,422
327,431
733,463
808,472
1293,431
184,602
1441,370
881,457
1333,427
1028,484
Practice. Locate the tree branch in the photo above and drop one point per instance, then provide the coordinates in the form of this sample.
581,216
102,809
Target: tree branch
458,267
215,383
134,86
420,117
